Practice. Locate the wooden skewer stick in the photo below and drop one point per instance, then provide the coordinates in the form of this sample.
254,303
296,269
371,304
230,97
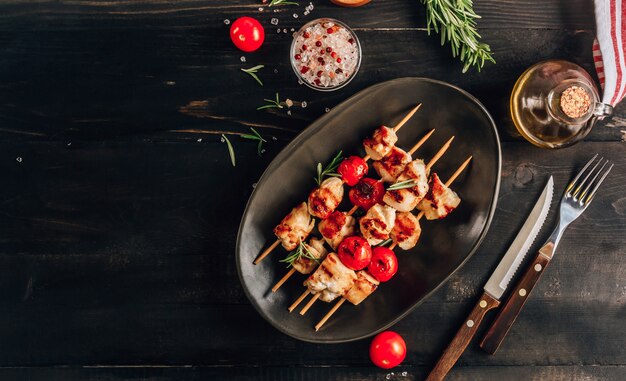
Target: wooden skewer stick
299,300
432,162
266,252
392,246
366,158
439,154
355,208
283,279
407,117
329,314
310,303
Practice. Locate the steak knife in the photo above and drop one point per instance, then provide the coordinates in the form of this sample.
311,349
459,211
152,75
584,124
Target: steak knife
497,283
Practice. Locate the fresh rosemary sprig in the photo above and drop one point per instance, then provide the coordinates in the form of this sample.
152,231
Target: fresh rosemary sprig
403,185
252,71
272,103
255,136
330,168
456,22
299,252
231,151
385,242
281,2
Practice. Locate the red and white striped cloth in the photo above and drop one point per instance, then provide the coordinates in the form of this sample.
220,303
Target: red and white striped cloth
608,49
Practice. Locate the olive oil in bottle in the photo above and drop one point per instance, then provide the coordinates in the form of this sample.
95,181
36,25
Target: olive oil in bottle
555,103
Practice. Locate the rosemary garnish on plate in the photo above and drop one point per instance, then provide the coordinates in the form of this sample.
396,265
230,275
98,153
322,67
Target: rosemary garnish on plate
231,151
403,185
272,103
299,252
384,243
255,136
282,2
456,22
252,71
330,168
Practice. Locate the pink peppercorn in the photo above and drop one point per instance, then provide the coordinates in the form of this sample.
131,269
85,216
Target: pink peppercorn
329,30
329,49
333,54
306,35
338,60
318,43
319,74
304,69
303,47
298,57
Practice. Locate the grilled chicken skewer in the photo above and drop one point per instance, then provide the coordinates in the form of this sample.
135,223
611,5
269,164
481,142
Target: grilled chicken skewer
376,226
379,143
339,225
396,243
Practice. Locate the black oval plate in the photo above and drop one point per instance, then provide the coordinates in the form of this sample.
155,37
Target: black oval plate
444,245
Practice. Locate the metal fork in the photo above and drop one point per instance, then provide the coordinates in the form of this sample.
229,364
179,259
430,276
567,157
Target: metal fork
576,198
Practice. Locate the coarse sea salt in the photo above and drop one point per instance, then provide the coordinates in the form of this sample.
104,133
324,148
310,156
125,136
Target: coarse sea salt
325,54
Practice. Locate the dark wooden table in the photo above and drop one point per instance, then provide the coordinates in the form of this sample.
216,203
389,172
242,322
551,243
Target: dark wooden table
119,207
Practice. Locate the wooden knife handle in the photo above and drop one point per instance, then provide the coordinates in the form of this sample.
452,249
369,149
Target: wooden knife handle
462,338
508,313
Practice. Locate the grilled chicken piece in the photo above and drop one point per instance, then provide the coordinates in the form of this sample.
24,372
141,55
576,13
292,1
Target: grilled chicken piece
295,227
332,279
377,223
381,142
439,201
316,248
325,199
364,286
405,200
392,165
406,231
335,227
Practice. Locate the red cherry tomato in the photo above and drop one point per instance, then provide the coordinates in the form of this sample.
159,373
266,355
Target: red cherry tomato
247,34
367,193
355,253
387,350
352,170
384,264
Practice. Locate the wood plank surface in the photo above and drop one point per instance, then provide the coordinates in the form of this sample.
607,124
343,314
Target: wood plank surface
119,207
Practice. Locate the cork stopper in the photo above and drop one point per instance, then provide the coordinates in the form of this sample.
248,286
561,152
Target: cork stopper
575,102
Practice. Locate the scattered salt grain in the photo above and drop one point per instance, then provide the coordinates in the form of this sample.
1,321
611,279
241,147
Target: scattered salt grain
260,9
327,109
275,71
274,21
278,30
19,159
274,138
295,15
285,30
69,144
263,150
243,59
289,112
222,139
404,374
199,140
289,102
253,185
226,21
292,29
300,82
304,104
306,13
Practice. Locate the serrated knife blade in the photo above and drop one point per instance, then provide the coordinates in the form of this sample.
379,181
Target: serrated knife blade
502,275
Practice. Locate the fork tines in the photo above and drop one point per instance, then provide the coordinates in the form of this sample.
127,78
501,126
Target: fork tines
579,190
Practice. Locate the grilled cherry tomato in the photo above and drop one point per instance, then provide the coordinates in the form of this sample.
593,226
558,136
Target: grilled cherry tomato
384,264
247,34
352,170
355,253
387,350
367,193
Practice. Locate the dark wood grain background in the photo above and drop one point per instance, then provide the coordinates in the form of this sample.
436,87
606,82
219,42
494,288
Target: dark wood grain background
119,207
